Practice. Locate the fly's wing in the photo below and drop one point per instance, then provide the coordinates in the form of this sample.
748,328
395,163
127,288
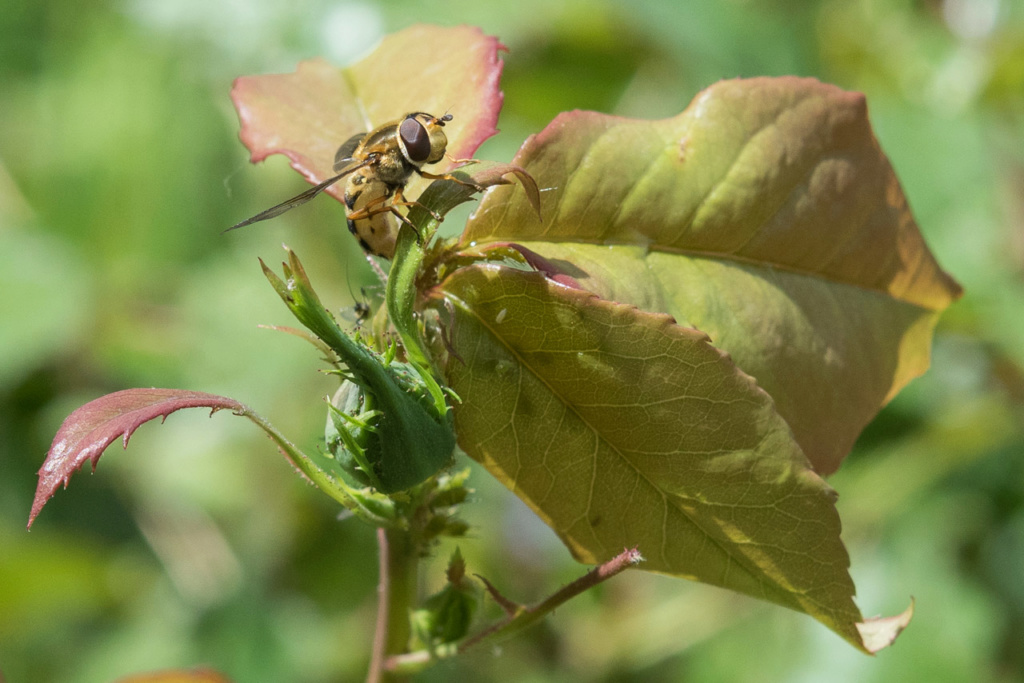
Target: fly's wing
297,200
343,157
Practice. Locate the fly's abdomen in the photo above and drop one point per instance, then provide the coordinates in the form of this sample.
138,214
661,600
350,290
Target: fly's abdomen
370,217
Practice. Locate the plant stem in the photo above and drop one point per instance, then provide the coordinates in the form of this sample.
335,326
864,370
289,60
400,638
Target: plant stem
396,593
523,617
380,632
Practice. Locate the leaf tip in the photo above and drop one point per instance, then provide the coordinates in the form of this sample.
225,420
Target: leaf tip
546,267
37,507
880,632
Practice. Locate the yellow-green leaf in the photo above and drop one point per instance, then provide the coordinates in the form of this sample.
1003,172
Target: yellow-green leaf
621,428
765,215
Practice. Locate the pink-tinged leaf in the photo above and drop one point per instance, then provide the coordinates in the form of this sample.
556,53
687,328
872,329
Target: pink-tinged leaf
88,431
308,114
766,216
201,675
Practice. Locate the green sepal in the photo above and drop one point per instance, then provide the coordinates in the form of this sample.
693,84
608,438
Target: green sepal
446,616
413,436
351,433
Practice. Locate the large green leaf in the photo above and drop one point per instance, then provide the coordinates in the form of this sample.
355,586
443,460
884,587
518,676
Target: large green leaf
621,428
764,215
306,115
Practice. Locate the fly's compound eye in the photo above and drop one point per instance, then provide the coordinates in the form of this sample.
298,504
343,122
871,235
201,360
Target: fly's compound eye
416,139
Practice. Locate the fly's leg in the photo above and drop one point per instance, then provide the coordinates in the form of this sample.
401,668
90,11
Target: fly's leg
378,205
400,200
449,176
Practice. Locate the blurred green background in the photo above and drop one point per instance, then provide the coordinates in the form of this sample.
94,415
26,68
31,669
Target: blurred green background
119,167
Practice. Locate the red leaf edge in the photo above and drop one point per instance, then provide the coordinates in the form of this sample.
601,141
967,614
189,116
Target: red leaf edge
482,127
87,432
200,675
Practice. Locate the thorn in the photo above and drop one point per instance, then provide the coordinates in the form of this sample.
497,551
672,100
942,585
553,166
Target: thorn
510,608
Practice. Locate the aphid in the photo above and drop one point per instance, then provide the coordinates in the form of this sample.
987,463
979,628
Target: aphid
378,165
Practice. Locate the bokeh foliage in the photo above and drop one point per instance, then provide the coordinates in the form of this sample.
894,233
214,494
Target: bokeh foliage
119,166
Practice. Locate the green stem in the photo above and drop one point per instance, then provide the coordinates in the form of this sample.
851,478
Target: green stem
401,290
360,506
399,565
401,302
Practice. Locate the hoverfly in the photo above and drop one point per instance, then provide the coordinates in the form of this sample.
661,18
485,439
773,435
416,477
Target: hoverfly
378,165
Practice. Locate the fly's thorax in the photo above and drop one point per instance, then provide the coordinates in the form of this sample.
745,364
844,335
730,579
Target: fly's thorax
370,220
393,169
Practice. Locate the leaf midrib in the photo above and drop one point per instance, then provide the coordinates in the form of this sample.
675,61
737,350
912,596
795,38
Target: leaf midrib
740,561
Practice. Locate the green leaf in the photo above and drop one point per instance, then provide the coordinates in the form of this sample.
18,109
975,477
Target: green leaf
621,428
764,215
306,115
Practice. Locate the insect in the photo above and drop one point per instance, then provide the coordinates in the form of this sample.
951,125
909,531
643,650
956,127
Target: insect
359,312
378,165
